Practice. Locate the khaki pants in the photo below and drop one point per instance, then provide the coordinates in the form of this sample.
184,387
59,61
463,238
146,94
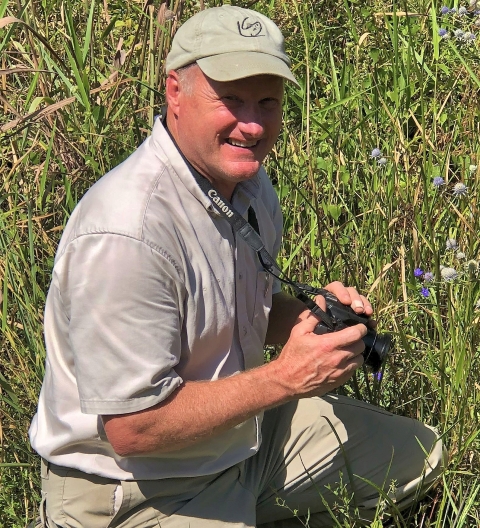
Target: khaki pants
308,448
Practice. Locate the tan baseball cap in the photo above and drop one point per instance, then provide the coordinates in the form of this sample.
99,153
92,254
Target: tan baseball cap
230,43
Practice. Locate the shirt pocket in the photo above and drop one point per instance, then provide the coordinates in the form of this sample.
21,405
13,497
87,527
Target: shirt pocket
262,304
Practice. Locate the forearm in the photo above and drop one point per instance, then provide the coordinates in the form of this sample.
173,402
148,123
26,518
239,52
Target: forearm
196,411
284,314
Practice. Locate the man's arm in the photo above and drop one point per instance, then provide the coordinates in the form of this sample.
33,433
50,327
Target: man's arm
309,365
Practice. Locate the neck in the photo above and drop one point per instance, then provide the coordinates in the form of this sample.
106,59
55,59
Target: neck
224,188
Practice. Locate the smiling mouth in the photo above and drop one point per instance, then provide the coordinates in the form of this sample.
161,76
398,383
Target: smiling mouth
242,144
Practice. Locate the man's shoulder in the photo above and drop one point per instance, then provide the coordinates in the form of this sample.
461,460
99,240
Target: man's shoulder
121,201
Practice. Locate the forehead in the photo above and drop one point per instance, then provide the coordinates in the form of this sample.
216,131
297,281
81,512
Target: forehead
256,85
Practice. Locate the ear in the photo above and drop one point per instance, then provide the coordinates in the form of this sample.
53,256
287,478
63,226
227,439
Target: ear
172,92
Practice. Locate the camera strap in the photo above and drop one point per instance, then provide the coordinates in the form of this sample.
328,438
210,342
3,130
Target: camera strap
251,235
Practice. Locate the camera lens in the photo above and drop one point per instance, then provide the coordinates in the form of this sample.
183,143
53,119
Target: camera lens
376,349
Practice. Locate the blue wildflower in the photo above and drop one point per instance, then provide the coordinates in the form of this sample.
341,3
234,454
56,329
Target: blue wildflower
438,181
417,272
378,376
425,292
442,32
444,10
376,153
453,10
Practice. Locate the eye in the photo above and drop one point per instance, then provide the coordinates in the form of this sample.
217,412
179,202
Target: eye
231,99
270,103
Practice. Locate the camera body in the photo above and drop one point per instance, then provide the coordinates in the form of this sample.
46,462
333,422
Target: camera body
340,316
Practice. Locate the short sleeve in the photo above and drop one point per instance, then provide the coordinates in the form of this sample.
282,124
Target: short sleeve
124,303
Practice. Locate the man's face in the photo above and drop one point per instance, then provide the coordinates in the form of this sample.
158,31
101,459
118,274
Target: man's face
225,129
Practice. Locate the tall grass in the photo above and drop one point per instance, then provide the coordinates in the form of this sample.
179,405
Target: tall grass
80,84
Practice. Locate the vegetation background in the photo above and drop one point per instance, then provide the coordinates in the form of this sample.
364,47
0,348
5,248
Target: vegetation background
80,84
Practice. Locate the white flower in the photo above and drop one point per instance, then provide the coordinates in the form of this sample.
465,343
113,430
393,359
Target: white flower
461,255
448,274
460,189
451,243
472,168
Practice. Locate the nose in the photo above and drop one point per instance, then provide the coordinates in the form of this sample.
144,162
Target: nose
251,121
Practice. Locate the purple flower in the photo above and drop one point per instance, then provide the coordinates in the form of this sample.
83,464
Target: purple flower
425,292
442,32
417,272
428,276
438,181
378,376
444,10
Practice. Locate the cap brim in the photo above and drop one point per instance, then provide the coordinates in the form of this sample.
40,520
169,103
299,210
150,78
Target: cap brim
241,64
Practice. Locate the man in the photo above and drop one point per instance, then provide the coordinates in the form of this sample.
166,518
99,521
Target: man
156,408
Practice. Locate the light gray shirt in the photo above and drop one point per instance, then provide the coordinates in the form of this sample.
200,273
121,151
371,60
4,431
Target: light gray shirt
151,287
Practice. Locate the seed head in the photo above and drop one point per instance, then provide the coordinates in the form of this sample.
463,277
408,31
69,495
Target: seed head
472,266
428,276
382,162
461,255
462,11
458,33
376,153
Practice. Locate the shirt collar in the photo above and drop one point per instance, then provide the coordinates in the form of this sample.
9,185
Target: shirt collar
244,192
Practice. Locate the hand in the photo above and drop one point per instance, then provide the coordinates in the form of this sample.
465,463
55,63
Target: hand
312,365
348,296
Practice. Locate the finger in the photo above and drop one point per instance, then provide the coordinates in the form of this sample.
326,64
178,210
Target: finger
354,362
349,338
306,325
320,301
359,303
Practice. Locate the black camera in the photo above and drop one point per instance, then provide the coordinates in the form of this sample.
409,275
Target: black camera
338,316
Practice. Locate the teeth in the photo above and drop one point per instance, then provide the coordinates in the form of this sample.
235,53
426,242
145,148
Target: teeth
244,144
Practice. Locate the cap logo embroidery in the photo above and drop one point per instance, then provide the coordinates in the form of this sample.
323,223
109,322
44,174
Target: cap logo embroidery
250,29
